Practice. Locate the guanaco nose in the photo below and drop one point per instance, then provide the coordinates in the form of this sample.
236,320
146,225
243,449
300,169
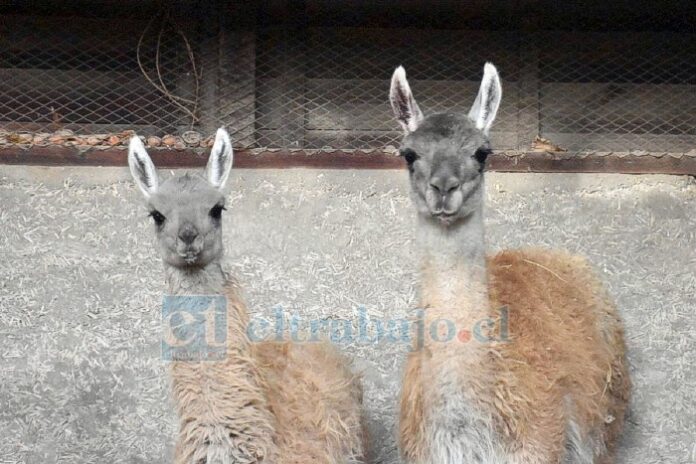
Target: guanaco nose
188,233
444,185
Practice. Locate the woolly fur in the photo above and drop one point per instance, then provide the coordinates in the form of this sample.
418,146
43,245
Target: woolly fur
267,402
556,392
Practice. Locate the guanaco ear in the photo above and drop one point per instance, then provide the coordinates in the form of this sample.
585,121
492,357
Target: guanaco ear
487,101
141,167
220,161
404,105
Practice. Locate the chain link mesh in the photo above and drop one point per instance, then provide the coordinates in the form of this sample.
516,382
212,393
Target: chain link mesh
307,87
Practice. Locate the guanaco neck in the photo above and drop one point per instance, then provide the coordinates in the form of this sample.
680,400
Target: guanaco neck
208,280
212,280
453,280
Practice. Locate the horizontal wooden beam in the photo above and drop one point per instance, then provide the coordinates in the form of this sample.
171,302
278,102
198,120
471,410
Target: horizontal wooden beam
622,163
683,164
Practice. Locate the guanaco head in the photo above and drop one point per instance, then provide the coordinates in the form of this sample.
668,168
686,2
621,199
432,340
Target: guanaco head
187,209
446,152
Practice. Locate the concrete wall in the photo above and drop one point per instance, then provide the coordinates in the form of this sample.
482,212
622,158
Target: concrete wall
81,376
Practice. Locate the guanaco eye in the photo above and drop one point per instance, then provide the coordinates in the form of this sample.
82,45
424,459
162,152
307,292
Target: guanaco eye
482,154
216,211
158,217
409,155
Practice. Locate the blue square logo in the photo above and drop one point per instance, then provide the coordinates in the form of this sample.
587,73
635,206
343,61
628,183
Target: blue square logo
194,327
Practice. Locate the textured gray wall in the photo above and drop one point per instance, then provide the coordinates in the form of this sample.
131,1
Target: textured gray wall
81,377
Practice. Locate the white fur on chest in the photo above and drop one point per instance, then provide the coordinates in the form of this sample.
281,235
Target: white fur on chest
461,428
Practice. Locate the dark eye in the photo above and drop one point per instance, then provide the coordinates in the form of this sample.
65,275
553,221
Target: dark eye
158,217
216,212
481,154
409,155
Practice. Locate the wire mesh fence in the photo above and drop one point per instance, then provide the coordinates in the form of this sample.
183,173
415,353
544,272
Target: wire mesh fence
310,87
93,74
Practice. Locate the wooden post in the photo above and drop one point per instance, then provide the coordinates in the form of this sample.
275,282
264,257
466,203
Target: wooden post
237,81
528,102
294,77
209,53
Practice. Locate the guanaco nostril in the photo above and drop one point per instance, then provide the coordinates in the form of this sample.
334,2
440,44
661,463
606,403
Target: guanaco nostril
188,234
436,187
445,187
452,187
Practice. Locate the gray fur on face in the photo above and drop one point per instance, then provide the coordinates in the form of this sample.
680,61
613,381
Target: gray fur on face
191,235
186,209
446,152
446,178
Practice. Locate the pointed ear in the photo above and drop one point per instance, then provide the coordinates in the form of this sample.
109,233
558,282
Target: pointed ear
220,161
141,167
487,101
404,105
